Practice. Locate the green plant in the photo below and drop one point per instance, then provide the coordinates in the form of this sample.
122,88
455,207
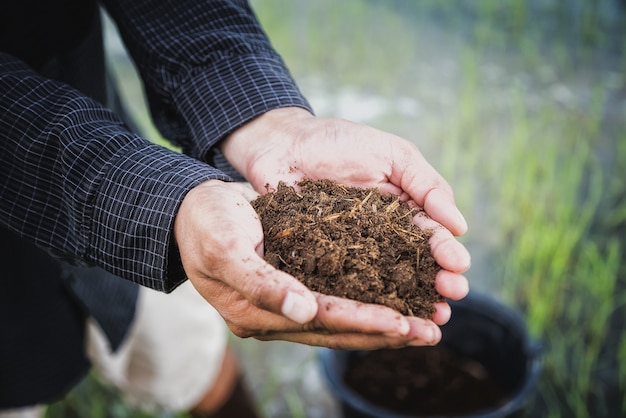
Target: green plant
562,275
92,398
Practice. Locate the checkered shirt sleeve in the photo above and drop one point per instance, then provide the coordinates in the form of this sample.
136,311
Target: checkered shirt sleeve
77,182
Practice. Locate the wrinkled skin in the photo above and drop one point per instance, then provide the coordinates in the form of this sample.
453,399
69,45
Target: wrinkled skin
221,240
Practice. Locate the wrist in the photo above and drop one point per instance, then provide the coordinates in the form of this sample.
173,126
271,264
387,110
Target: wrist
254,138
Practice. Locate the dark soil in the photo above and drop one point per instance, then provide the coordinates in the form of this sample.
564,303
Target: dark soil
424,381
350,242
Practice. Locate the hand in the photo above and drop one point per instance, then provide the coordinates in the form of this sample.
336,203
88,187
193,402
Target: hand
220,240
289,144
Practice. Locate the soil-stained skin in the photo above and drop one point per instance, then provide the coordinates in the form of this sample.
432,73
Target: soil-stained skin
350,242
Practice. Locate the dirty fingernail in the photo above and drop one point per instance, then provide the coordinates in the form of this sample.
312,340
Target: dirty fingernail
298,308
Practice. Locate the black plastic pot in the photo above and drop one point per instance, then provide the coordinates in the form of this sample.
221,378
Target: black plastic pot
481,329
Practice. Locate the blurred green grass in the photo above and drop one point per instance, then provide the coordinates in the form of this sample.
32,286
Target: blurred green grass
521,105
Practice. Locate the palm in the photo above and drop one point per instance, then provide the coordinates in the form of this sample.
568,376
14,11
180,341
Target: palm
316,153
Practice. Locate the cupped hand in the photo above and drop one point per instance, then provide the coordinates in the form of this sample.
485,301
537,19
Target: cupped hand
289,144
220,240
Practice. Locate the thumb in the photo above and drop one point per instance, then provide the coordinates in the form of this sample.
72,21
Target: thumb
273,290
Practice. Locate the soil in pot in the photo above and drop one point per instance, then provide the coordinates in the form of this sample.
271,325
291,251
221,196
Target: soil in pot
350,242
424,381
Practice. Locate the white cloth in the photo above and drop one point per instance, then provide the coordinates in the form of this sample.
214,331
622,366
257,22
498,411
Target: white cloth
172,354
27,412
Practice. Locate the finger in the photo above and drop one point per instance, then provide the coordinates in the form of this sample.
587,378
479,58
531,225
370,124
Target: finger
242,317
262,285
338,341
449,253
423,183
273,290
442,313
245,189
342,315
451,285
246,320
339,315
422,332
335,315
439,205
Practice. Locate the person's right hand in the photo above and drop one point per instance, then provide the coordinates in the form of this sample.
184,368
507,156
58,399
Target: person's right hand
220,240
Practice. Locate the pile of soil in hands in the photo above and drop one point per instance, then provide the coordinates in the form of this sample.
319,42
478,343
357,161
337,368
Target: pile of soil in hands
424,381
350,242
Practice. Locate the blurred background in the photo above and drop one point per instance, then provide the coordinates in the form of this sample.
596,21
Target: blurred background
521,105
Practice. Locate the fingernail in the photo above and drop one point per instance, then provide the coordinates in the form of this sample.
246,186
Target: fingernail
430,336
461,220
298,308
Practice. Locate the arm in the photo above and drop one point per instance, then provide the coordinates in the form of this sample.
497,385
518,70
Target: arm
205,75
209,70
74,180
207,66
196,103
211,58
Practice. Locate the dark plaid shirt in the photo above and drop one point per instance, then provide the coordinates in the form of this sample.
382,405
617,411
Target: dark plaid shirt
77,182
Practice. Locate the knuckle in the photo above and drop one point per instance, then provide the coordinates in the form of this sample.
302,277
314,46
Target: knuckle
264,293
240,331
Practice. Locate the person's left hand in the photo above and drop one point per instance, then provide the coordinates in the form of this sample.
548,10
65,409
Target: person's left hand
289,144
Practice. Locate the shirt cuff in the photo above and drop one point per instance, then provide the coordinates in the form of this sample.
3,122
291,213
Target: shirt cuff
217,100
131,227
